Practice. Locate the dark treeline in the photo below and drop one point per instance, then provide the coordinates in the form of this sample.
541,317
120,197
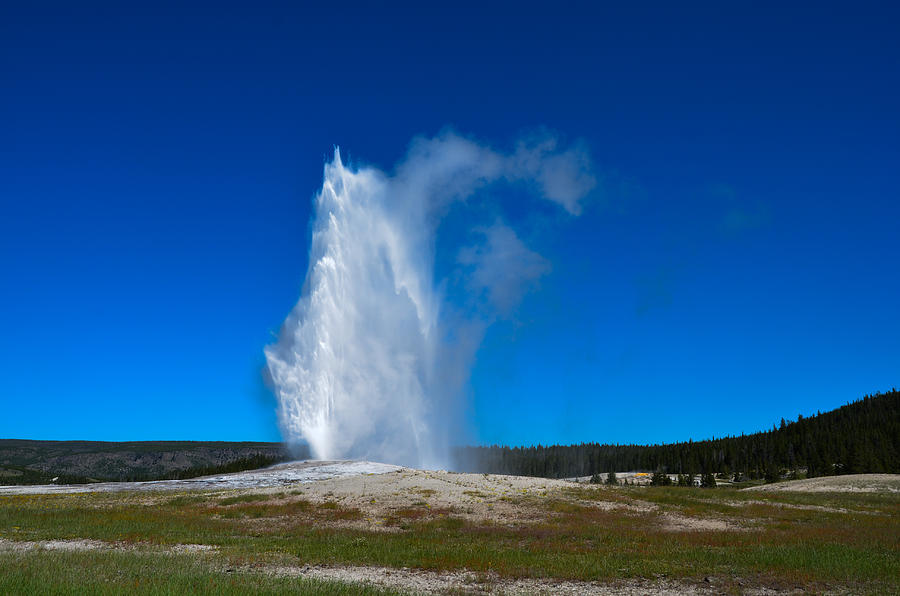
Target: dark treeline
251,462
29,476
860,437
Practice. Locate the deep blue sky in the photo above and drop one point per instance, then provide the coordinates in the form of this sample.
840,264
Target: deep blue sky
740,264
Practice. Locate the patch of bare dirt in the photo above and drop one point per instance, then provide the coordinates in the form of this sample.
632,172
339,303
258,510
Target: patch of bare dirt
83,544
674,522
193,548
79,544
411,494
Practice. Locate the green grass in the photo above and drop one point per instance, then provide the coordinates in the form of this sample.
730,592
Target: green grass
114,573
251,498
854,547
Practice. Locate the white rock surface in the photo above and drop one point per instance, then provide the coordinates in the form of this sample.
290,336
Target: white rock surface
277,475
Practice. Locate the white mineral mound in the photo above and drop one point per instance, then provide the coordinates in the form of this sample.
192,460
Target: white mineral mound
297,472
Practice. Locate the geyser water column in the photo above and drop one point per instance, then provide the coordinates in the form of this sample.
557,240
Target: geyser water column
351,369
361,366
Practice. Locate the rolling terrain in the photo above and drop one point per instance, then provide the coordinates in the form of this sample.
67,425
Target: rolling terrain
360,528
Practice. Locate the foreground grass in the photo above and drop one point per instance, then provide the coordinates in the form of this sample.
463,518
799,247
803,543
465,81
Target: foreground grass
114,573
819,541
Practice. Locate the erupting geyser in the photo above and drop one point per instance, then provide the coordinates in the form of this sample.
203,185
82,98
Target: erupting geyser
363,367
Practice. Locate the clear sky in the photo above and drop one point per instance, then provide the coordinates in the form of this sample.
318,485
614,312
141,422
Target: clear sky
739,264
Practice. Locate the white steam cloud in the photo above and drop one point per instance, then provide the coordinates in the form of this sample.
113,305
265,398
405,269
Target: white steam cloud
368,364
503,268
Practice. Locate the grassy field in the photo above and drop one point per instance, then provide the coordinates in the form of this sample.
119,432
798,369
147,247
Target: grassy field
739,540
114,573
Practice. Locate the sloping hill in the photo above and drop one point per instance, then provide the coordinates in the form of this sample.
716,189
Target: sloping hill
37,462
851,483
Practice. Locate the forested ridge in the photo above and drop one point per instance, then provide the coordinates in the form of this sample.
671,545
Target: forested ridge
860,437
74,462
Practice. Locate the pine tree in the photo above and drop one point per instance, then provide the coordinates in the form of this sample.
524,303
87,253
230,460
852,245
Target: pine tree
660,478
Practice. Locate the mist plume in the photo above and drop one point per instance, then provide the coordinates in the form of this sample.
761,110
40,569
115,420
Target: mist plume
372,361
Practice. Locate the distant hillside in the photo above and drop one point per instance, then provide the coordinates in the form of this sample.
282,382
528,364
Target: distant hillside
860,437
38,462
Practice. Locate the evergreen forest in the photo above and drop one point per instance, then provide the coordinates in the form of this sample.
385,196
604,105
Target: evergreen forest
860,437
